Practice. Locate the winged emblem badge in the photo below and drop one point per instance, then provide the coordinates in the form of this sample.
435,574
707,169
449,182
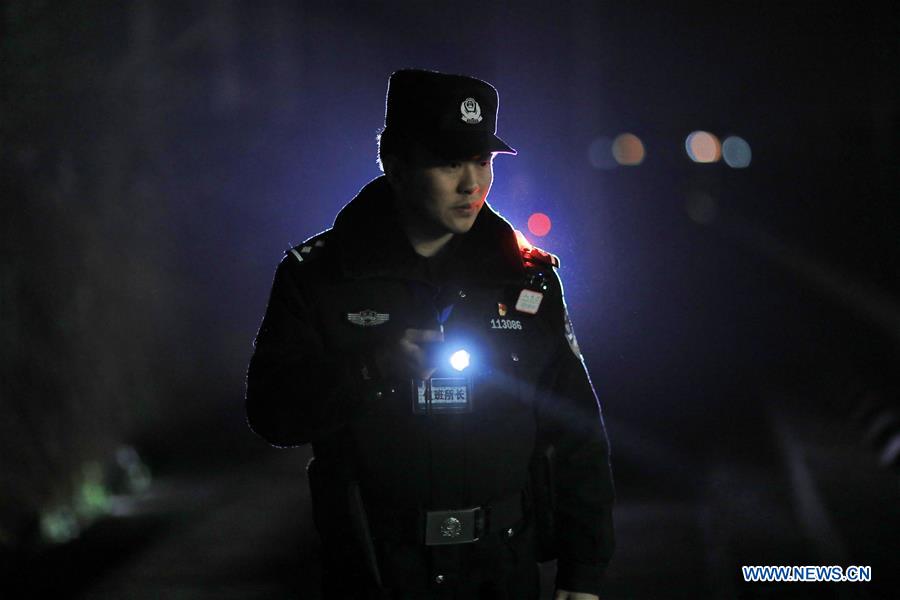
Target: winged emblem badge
368,318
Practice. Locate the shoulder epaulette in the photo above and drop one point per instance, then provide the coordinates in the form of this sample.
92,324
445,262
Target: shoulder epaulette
309,248
534,256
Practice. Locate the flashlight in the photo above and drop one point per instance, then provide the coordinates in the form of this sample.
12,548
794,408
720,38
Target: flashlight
459,360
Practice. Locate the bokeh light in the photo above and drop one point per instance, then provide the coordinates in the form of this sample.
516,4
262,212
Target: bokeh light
736,152
539,224
600,154
703,147
628,149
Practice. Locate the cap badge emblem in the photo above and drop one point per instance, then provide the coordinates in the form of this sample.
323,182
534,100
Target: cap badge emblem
471,112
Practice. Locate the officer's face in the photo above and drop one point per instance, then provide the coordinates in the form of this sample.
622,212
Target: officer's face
448,195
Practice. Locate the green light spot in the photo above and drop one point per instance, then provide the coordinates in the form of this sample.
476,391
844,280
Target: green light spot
59,525
92,500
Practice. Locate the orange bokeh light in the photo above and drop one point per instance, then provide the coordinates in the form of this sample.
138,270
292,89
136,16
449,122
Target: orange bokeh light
703,147
628,149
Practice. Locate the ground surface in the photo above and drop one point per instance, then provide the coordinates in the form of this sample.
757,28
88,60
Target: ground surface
786,485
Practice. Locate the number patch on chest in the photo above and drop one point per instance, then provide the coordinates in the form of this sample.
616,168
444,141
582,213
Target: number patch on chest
506,324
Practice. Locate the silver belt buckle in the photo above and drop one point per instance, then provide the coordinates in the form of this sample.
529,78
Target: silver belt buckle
451,526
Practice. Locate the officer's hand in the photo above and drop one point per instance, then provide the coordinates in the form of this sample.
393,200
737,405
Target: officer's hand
407,358
564,595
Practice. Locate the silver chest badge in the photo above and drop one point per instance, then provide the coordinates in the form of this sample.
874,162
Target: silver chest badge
368,318
471,112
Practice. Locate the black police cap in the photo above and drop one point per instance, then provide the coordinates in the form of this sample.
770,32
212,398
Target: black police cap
453,116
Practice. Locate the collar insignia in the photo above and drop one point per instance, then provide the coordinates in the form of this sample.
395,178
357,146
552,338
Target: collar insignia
368,318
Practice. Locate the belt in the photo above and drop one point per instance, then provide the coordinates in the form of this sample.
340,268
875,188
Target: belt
442,527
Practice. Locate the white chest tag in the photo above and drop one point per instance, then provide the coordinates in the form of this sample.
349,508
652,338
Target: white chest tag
442,395
529,301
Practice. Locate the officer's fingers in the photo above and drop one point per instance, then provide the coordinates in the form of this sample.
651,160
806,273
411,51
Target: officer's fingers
418,360
411,354
421,370
407,344
418,357
419,336
564,595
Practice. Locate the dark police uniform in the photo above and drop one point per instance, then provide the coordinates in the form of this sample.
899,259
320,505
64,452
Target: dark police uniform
424,489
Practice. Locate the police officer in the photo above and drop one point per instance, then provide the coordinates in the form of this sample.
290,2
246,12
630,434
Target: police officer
423,347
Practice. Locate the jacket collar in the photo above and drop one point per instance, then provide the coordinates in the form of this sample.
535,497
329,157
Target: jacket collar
372,242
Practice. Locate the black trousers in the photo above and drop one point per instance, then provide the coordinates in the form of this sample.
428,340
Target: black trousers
496,567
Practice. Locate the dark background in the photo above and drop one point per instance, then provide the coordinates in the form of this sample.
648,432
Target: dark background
159,157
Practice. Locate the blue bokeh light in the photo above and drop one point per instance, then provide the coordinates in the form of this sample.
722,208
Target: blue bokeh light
736,152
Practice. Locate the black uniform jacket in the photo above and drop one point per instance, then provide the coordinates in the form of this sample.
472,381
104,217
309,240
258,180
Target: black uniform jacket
341,294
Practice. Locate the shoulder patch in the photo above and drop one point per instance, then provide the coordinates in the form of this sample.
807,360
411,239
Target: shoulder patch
534,256
310,248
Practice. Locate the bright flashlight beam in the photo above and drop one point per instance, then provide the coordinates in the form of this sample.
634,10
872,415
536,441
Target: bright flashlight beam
459,360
